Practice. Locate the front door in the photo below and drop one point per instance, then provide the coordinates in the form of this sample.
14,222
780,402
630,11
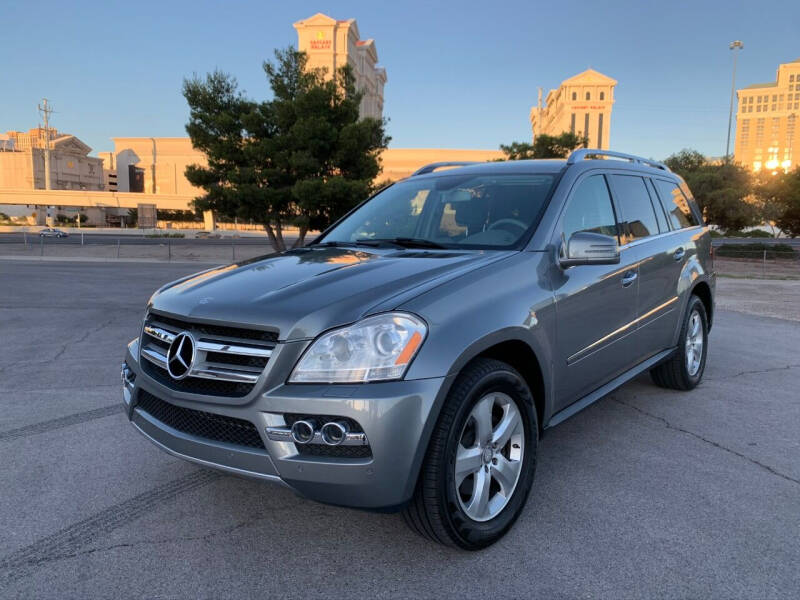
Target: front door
596,305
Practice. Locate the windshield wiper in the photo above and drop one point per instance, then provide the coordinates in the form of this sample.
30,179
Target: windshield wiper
350,244
400,242
407,242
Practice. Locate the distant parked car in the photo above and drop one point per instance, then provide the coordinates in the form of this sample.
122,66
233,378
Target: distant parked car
205,235
52,232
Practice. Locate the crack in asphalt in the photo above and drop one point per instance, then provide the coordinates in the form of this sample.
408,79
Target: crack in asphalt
70,540
708,441
61,422
85,336
756,372
63,348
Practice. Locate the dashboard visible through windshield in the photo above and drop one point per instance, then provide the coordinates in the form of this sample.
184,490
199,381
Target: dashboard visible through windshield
452,211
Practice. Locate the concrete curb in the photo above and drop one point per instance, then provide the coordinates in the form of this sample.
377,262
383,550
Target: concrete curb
93,259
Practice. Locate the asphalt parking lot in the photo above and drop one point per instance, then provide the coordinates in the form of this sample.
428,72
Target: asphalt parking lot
647,493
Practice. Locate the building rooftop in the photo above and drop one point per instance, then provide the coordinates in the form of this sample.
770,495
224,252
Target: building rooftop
761,85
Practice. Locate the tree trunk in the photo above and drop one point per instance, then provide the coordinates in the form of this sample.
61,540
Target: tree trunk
275,238
301,238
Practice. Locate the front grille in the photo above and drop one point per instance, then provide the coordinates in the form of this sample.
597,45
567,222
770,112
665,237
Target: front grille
222,331
196,385
334,451
199,423
228,361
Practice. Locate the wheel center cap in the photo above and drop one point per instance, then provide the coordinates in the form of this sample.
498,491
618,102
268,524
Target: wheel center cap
487,455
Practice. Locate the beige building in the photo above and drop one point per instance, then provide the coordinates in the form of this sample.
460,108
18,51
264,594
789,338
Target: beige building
159,164
71,167
767,134
331,44
581,104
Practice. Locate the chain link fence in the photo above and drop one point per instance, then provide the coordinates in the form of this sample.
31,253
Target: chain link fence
764,261
135,248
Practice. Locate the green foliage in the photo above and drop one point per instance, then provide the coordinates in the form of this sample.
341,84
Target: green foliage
303,158
165,235
178,215
755,233
545,146
133,217
789,202
721,190
63,219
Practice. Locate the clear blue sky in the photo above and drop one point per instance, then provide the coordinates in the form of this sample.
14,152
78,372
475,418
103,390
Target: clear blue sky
461,74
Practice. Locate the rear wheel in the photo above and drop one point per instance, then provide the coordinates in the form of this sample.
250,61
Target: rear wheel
684,369
481,459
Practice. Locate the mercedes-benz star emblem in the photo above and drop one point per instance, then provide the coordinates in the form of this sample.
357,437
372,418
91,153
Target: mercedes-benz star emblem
180,355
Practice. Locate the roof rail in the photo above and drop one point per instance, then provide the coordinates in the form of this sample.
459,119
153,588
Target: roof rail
584,153
438,165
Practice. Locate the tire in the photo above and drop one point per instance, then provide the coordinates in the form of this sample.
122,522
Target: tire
455,516
676,373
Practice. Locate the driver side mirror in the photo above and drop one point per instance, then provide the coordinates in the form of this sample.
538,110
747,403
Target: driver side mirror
587,248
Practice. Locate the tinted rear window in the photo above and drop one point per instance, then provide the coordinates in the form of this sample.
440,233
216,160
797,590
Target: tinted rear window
633,205
676,204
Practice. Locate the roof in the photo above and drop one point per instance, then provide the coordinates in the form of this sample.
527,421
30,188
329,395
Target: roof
753,86
546,165
589,75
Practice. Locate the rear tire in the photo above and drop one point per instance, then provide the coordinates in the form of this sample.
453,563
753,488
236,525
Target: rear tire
685,368
481,459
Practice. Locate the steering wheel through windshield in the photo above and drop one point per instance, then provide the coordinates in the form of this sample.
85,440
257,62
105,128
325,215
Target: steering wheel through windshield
504,224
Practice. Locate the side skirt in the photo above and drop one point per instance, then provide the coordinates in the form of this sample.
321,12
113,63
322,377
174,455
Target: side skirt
591,398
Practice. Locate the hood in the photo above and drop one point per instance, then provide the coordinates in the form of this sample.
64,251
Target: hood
303,292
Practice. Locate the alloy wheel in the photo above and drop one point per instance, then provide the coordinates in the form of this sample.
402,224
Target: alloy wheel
694,344
489,456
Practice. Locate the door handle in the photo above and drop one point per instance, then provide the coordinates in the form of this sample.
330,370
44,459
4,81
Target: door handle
679,253
628,278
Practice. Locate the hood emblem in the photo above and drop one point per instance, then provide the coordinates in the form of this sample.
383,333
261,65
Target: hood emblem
180,355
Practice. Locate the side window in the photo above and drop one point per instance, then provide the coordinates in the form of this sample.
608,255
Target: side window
589,209
637,217
660,216
675,204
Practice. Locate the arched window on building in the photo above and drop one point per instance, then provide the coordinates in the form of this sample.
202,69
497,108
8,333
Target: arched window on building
588,95
574,95
602,95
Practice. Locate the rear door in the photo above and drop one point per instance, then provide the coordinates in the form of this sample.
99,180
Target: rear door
648,243
595,304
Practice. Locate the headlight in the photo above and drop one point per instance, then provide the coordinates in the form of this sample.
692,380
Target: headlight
374,349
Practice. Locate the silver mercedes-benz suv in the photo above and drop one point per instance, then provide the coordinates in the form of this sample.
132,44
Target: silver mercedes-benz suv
413,354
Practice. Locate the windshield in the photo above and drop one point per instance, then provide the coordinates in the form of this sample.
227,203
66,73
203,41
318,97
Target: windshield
451,211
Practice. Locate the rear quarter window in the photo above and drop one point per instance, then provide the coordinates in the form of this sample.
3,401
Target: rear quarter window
676,204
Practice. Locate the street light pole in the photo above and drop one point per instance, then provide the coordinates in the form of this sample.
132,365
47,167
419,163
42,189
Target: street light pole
734,46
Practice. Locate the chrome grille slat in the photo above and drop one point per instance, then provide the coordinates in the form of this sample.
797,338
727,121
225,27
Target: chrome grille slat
154,356
159,333
211,372
223,348
248,357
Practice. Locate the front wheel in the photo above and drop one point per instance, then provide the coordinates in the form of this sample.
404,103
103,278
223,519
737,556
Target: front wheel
685,368
481,459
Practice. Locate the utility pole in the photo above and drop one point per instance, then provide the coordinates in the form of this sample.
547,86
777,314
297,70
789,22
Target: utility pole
538,115
45,111
734,46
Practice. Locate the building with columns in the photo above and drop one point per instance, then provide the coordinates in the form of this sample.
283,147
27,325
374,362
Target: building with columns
767,134
331,44
581,105
71,168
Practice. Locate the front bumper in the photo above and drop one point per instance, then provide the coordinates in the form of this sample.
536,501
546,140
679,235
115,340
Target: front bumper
395,416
